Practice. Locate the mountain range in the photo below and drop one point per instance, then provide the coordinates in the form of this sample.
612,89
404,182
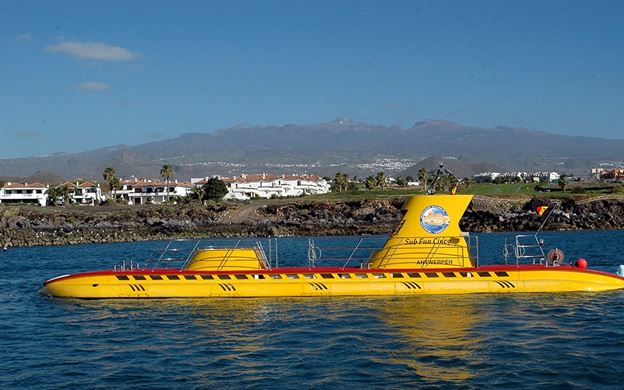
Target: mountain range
340,145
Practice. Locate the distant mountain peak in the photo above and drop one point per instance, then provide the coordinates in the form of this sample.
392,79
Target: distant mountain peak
344,123
437,122
342,120
327,147
503,128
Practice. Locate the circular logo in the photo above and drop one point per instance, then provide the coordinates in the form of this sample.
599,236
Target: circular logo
434,219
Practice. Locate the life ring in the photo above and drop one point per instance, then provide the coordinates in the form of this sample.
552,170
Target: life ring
555,256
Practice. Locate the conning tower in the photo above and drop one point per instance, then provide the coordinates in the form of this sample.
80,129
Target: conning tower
428,236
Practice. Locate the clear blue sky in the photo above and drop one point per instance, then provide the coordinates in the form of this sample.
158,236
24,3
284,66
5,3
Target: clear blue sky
77,75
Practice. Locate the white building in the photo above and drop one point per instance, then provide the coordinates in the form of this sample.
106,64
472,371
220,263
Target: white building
486,176
546,177
597,172
87,193
264,185
36,193
144,191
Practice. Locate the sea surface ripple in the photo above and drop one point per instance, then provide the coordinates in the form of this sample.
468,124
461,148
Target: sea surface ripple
567,340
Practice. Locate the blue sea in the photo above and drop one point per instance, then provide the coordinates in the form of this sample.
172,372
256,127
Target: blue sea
567,340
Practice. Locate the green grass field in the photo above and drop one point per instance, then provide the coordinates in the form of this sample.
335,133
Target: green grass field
499,189
485,189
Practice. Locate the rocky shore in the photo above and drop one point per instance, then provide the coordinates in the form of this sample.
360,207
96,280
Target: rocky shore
30,226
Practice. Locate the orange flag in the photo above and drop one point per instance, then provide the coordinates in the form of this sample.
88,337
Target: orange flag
541,210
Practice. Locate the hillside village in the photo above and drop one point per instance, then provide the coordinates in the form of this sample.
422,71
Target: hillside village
141,191
138,191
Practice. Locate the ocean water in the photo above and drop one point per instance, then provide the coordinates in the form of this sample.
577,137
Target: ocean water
567,340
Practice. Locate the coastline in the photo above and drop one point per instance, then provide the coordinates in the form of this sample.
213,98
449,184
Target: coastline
32,226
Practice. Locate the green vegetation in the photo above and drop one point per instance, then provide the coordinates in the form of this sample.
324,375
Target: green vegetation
340,182
370,183
423,177
166,172
498,189
483,189
375,193
215,189
381,180
563,182
110,176
59,193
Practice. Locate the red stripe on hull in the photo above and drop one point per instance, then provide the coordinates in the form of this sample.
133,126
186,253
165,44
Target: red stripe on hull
316,270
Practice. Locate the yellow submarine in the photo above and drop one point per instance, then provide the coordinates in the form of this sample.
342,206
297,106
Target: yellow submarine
425,254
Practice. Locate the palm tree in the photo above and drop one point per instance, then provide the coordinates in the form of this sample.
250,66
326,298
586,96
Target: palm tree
167,172
341,182
453,183
53,195
110,176
563,182
65,193
370,183
197,193
381,179
423,177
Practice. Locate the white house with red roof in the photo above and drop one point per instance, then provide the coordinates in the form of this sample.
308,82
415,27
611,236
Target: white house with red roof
264,185
86,192
35,193
142,191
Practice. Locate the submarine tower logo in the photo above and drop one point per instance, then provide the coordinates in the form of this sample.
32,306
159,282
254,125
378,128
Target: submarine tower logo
434,219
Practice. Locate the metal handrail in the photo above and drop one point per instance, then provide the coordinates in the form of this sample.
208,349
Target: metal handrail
361,251
167,254
364,249
353,253
520,249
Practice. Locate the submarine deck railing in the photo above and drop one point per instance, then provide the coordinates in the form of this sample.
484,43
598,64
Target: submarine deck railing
342,252
405,252
526,250
178,253
334,251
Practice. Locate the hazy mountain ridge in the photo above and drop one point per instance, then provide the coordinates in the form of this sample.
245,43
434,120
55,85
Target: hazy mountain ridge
324,148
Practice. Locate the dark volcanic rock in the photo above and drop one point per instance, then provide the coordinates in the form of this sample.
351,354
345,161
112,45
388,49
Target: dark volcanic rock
60,226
